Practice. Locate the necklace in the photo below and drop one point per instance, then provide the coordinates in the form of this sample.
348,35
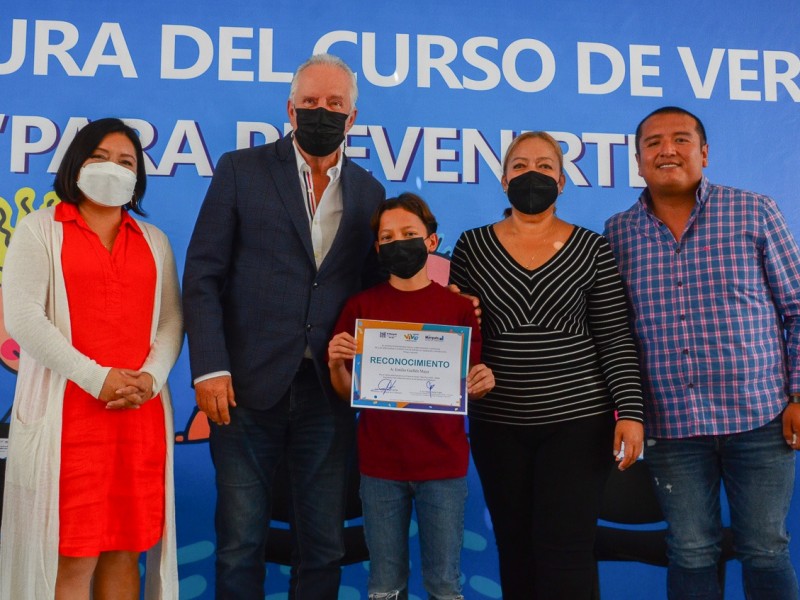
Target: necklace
108,245
557,245
101,222
539,242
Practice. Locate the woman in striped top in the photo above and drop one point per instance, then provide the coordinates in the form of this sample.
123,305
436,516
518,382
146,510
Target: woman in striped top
556,336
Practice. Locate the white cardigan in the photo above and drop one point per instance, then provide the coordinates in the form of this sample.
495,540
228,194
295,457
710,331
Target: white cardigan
37,317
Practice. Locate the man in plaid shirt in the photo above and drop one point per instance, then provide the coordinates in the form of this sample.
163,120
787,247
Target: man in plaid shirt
713,278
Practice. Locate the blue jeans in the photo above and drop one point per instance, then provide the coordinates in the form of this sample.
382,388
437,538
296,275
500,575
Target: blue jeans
315,437
440,516
757,468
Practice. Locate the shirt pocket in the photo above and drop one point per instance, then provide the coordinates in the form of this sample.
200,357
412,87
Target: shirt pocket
731,268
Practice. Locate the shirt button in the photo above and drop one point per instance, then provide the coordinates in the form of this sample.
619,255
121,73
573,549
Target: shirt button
685,351
683,317
308,327
677,250
691,386
314,285
679,284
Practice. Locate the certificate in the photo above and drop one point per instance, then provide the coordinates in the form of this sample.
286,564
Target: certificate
411,366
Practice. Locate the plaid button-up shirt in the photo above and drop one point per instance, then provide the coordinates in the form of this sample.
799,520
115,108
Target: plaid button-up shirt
715,315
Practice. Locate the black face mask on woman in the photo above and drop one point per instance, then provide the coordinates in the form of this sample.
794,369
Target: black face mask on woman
319,131
404,258
532,193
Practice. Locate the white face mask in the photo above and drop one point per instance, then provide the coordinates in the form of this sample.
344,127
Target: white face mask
107,183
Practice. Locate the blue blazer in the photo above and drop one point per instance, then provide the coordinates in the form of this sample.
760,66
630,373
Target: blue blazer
252,295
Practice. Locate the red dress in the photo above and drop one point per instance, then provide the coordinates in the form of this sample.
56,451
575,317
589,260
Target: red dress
112,461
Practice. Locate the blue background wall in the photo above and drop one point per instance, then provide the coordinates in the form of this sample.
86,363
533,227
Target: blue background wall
444,87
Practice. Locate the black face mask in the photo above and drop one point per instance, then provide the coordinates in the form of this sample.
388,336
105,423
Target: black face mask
532,193
319,131
404,258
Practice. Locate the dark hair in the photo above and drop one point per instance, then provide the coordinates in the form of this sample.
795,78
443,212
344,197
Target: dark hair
85,143
672,110
410,203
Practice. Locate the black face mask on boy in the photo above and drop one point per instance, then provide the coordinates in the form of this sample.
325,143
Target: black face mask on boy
404,258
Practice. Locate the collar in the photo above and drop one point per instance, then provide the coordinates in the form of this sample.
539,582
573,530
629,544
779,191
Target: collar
303,166
66,211
701,197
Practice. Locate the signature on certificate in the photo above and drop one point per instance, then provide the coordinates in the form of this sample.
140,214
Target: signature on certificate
430,385
385,385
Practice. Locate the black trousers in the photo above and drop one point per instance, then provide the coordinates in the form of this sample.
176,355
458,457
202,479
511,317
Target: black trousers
543,485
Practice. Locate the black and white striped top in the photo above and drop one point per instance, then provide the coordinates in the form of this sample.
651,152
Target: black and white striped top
557,337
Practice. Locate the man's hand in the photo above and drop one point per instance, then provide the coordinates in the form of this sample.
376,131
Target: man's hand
791,425
215,397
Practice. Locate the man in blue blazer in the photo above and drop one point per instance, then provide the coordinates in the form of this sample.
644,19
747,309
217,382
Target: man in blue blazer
281,241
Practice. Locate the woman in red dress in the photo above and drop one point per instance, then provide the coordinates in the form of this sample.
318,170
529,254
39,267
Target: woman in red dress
113,349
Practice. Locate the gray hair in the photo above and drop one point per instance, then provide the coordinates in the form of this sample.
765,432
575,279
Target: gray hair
329,60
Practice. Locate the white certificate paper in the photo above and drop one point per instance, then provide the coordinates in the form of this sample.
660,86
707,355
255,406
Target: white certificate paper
411,366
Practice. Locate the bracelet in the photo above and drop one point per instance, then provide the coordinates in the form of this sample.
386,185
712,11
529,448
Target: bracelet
793,399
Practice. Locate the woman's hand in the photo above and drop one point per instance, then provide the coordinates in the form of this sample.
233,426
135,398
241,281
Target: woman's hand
630,433
476,303
126,389
480,381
